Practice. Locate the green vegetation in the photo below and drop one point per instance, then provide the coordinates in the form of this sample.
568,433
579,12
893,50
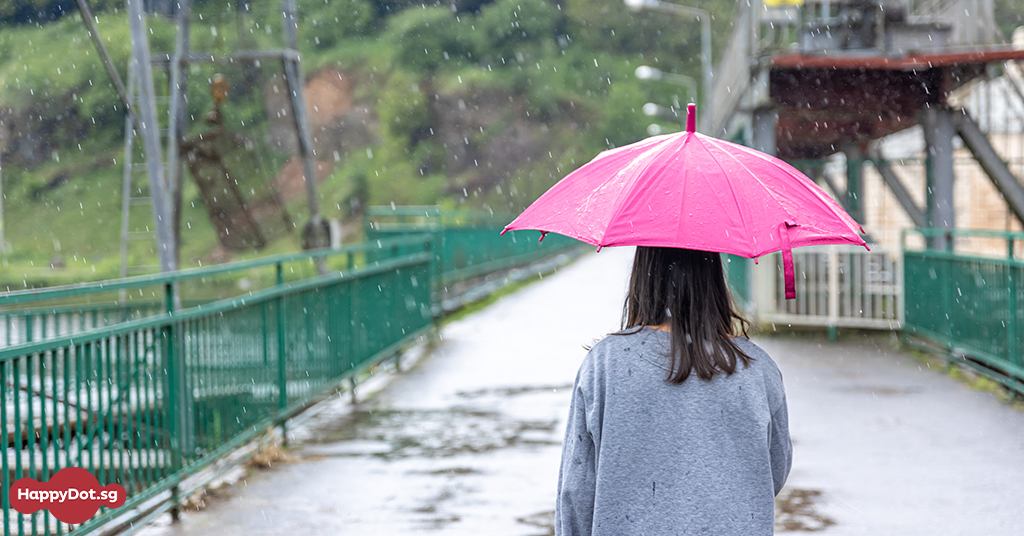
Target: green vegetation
475,104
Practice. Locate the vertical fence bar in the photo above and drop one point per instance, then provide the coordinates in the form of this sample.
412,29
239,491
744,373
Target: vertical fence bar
18,436
138,408
282,354
175,402
947,295
265,350
436,248
44,467
833,292
1011,305
30,428
6,445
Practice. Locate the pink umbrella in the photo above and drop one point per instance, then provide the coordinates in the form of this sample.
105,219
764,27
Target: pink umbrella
688,190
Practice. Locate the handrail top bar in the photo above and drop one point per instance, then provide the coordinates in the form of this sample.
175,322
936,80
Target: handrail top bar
402,209
433,211
63,291
255,297
982,233
939,253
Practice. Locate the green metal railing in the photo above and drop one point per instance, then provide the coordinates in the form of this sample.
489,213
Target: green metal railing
468,241
147,402
144,383
968,304
738,274
76,308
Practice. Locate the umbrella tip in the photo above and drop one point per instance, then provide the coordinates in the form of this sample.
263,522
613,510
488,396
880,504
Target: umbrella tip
691,117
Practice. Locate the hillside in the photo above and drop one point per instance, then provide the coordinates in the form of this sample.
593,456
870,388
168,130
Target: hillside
476,104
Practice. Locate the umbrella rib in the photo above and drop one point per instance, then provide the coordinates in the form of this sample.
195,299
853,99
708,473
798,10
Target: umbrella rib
620,201
736,199
827,201
752,175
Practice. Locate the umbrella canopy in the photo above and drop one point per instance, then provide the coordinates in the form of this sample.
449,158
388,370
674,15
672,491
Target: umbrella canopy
688,190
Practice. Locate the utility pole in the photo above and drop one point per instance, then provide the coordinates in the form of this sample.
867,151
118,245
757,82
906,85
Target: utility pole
150,133
176,115
3,244
705,41
315,229
94,33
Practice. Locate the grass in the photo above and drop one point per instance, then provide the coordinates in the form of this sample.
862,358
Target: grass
965,375
62,205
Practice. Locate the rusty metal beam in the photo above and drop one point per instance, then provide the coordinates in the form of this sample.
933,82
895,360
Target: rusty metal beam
839,194
991,162
917,216
904,63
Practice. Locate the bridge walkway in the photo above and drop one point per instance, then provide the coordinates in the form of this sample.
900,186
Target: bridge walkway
467,439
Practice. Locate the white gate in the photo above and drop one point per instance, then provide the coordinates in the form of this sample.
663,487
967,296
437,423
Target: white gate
836,286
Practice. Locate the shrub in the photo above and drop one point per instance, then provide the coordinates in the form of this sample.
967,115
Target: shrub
327,21
507,25
429,38
403,111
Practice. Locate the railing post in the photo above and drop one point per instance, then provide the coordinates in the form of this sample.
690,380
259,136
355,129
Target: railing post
900,273
8,519
833,292
353,346
175,402
436,270
1011,305
947,294
282,354
29,328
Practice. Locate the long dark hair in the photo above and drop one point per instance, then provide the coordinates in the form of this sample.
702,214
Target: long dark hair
686,288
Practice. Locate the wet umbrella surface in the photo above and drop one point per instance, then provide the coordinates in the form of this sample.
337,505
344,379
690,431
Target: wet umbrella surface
692,191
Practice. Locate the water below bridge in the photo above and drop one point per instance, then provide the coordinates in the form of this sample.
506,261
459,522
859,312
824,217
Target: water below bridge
467,441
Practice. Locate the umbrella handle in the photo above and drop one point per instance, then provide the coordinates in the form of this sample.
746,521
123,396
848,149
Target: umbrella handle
788,272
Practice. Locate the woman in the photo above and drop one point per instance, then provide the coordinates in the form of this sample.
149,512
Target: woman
678,423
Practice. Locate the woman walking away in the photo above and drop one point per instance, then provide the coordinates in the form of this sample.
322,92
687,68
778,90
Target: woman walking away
678,422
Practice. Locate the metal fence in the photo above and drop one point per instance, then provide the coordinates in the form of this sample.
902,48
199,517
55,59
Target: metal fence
26,325
738,274
468,241
147,402
970,305
70,309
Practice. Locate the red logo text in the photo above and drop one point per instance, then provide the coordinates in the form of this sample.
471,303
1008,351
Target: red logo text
73,495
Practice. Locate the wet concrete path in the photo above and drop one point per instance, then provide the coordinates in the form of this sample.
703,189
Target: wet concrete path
468,441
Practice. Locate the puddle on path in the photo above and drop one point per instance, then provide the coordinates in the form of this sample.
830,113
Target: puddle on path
544,522
795,511
449,471
513,391
434,519
474,425
885,390
393,434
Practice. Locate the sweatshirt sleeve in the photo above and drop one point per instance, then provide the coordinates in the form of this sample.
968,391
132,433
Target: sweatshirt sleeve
574,507
780,446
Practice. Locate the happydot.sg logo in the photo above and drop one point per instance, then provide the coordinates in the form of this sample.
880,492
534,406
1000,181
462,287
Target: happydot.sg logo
73,495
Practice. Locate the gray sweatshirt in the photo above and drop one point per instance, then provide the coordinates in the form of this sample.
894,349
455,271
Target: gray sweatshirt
645,457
